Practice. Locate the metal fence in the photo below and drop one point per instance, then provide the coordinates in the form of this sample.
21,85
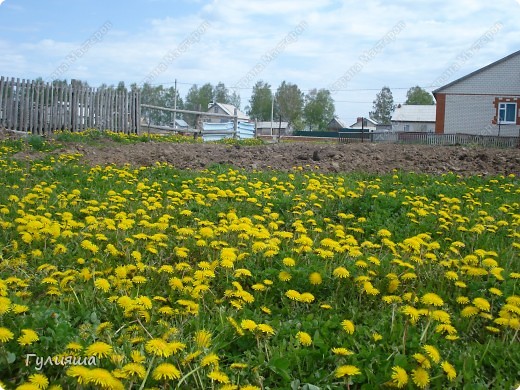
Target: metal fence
430,139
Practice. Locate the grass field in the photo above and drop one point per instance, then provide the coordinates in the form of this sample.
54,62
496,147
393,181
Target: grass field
133,277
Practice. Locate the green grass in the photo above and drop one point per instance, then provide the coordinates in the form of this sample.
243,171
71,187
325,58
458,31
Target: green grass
117,256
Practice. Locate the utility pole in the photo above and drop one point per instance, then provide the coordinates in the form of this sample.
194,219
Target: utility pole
272,110
175,106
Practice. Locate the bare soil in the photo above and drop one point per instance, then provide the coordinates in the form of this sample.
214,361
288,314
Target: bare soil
329,157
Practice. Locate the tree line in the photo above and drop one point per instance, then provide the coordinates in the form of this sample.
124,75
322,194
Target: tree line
311,111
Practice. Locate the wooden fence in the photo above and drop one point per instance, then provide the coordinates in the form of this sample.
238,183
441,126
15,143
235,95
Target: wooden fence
431,139
40,108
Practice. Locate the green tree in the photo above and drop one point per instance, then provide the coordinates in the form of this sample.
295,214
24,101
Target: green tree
289,100
383,107
319,109
221,95
198,98
235,100
161,97
260,102
418,96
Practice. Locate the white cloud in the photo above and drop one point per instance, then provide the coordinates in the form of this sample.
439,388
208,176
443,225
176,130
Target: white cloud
241,32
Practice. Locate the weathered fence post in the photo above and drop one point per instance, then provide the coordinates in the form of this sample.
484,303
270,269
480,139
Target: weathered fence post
235,123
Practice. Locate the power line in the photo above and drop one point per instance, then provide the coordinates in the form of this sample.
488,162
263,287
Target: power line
307,90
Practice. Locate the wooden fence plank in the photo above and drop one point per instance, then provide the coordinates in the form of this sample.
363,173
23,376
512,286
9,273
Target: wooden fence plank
2,111
9,101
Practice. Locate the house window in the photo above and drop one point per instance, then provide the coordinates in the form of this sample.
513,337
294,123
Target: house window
507,113
406,127
215,109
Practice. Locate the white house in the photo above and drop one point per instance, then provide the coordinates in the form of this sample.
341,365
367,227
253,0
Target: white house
416,118
225,109
369,124
484,102
264,128
335,124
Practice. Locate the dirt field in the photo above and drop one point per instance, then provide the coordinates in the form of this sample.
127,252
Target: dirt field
329,157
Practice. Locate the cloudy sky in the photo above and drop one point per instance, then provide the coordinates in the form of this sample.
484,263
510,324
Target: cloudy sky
353,48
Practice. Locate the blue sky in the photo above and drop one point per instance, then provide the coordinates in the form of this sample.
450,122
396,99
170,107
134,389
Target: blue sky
351,47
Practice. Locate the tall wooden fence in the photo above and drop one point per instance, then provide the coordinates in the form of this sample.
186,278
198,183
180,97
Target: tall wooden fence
40,108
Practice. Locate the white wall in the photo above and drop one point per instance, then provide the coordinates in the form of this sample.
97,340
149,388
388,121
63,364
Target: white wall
472,114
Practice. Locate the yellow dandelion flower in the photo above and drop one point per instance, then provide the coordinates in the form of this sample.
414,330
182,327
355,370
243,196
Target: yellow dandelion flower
315,278
103,378
390,299
28,337
202,339
347,370
264,328
158,347
449,370
284,276
166,371
341,272
348,326
451,275
409,276
399,377
248,325
342,351
420,377
422,360
134,370
137,356
265,309
239,366
19,309
304,338
73,346
176,346
39,380
211,359
433,353
5,305
432,299
441,316
492,329
445,328
377,337
293,295
289,262
258,287
306,297
99,349
190,357
218,376
5,335
411,312
482,304
469,311
495,291
102,284
81,374
462,300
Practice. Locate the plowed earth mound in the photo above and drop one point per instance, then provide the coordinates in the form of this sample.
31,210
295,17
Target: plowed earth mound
356,157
